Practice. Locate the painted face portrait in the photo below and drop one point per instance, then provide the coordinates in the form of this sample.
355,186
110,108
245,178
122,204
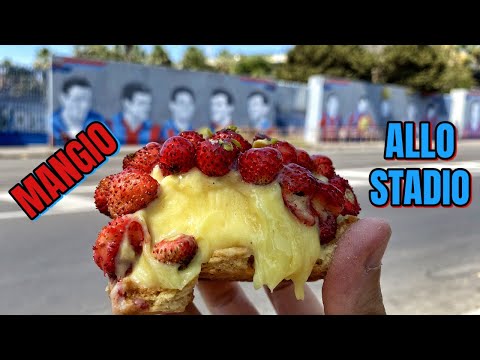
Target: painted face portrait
333,106
412,112
431,112
257,108
362,105
182,108
76,103
221,109
475,116
385,108
139,106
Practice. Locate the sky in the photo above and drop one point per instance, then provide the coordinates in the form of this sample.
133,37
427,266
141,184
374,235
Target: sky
25,54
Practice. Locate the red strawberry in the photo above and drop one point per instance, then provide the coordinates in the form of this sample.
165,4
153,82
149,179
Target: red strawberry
296,179
144,159
299,206
216,157
298,185
135,233
102,193
180,251
260,166
327,197
194,137
231,133
130,190
110,238
260,136
303,159
289,153
177,156
323,166
327,228
350,204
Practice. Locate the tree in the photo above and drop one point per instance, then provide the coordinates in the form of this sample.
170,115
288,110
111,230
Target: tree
97,52
225,62
194,59
159,56
255,66
426,68
348,61
42,59
127,53
472,52
134,54
7,63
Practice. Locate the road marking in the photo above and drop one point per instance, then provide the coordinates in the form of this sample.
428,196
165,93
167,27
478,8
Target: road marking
360,176
67,205
85,189
357,177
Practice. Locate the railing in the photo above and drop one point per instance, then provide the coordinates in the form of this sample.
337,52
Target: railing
23,105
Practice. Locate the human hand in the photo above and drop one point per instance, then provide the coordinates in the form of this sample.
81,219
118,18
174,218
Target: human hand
352,285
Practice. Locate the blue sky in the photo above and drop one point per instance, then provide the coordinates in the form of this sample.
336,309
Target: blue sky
25,54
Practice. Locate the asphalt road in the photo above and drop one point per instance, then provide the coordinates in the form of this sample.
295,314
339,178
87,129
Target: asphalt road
432,265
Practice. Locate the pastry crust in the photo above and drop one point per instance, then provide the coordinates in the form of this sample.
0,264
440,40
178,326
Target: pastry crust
232,264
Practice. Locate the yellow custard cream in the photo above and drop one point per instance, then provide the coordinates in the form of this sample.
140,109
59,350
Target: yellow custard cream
221,213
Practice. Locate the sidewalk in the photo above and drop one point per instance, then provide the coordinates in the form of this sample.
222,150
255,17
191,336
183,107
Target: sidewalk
44,151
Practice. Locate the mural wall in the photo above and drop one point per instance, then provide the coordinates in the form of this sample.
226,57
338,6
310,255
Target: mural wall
358,111
291,107
471,126
142,103
145,103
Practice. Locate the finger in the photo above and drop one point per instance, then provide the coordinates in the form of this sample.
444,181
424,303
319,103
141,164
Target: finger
191,309
225,298
352,284
285,303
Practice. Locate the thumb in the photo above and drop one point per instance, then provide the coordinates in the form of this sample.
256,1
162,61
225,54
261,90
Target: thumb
352,284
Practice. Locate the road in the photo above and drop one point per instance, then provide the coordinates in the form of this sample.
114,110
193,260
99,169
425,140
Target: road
432,264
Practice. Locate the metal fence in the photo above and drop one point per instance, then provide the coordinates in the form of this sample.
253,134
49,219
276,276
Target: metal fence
23,105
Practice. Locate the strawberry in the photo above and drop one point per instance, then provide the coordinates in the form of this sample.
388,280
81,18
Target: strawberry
216,157
177,156
135,233
130,190
260,166
350,204
296,179
102,193
231,133
180,251
144,159
303,159
327,197
299,206
289,153
298,185
260,136
194,137
327,228
110,238
323,166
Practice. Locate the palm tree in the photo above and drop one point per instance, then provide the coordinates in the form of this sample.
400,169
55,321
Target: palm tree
42,59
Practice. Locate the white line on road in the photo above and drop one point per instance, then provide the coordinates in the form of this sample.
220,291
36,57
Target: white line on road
67,205
357,177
